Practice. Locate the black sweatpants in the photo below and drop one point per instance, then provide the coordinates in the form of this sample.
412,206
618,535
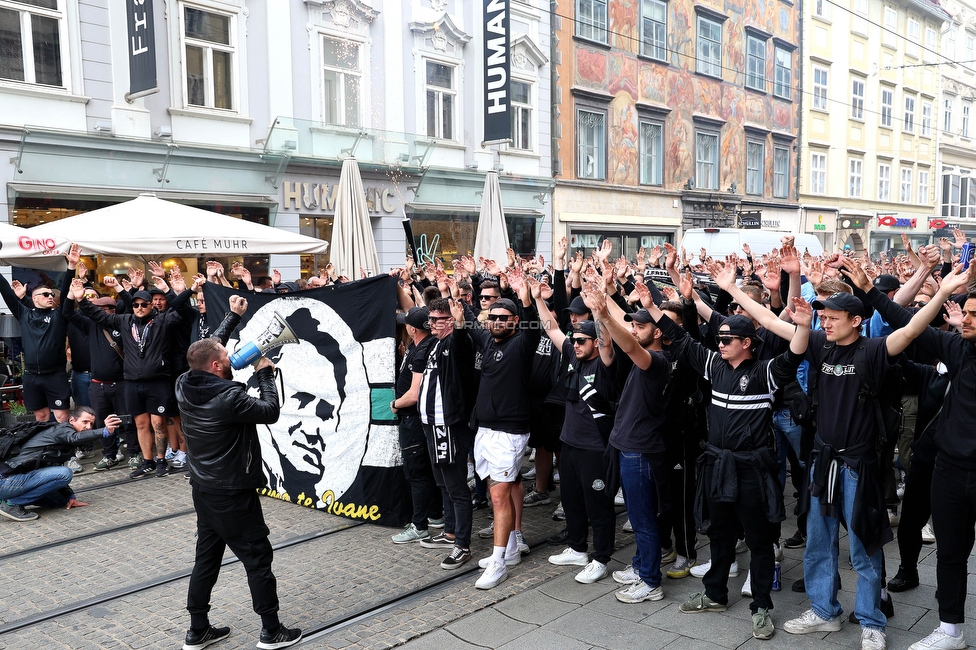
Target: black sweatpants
584,495
954,521
424,493
915,510
749,511
680,518
232,520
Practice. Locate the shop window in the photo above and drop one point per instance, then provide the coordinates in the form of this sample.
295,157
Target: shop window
454,234
31,34
209,61
342,78
622,243
320,228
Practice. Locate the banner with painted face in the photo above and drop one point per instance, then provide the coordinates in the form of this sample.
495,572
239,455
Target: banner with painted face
335,445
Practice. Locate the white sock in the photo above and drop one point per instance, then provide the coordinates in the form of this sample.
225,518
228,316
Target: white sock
884,595
952,629
512,549
498,554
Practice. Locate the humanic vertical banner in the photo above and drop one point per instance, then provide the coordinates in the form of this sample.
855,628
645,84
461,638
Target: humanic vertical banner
141,49
498,42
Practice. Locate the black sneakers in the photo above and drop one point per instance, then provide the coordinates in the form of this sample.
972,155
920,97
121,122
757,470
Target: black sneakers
147,468
200,640
162,469
799,540
281,638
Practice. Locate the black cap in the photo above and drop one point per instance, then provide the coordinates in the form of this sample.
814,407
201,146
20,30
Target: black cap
739,325
639,316
417,317
142,295
842,302
577,307
586,328
156,292
506,304
887,282
289,287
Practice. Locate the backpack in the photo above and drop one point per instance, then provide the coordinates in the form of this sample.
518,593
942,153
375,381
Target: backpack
13,438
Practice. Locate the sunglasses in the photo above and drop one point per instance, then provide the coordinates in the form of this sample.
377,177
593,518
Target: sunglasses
726,340
580,340
490,297
44,294
434,319
733,306
141,304
503,317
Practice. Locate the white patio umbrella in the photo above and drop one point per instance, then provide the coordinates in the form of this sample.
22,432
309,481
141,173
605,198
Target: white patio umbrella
491,241
22,247
151,227
353,245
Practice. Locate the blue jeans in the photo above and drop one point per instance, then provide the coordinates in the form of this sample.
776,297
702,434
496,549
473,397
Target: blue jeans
80,381
820,561
787,432
25,489
640,495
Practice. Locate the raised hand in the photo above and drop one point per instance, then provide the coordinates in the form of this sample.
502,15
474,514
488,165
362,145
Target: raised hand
77,289
576,263
156,270
853,270
815,273
789,261
671,258
724,277
603,252
669,293
198,281
469,265
593,298
686,285
802,314
960,238
73,256
953,314
771,279
212,270
644,295
276,277
111,282
176,280
238,304
82,270
747,250
19,289
654,256
137,277
560,252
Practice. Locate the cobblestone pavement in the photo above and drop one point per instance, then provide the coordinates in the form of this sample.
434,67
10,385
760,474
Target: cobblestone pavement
325,582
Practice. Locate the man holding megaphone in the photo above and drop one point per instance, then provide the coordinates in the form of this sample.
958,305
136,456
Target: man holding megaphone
224,455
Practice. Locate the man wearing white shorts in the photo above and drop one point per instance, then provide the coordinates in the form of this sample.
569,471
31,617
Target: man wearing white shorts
502,411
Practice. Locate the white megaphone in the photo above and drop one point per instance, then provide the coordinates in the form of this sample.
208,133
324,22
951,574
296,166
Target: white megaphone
275,334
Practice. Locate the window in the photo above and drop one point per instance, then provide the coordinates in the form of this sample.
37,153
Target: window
949,44
926,130
855,171
591,134
208,43
966,106
784,73
884,182
857,99
31,42
914,35
958,196
890,32
755,167
908,126
651,153
654,29
818,173
887,100
591,20
970,51
706,160
947,114
755,63
821,8
905,192
931,44
820,88
781,172
341,81
441,100
709,47
923,187
860,23
521,115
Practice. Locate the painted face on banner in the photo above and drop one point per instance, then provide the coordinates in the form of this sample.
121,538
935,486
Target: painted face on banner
320,439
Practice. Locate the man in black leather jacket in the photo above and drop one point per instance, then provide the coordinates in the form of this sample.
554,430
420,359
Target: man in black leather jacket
220,424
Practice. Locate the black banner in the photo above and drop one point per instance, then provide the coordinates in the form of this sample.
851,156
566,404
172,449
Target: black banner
142,49
335,446
498,42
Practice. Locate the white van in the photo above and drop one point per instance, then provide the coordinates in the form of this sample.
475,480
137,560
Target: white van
720,242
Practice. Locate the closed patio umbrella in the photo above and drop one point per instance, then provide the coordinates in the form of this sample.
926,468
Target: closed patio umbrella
491,241
353,245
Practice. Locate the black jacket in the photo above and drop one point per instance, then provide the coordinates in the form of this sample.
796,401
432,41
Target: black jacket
105,362
42,331
35,452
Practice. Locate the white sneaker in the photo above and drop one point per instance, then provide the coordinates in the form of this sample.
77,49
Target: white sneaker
747,585
74,465
627,576
555,476
872,639
893,517
740,546
594,571
900,490
522,546
639,592
569,557
940,640
529,474
700,570
618,500
928,534
119,455
487,533
494,575
509,561
778,551
809,622
627,527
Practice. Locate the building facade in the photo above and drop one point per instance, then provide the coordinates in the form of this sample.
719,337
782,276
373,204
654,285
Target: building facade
870,125
259,102
673,115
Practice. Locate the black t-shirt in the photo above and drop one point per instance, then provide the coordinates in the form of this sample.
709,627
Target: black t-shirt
639,425
840,423
580,428
415,360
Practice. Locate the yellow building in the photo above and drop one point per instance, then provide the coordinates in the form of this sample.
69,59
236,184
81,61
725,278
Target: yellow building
870,120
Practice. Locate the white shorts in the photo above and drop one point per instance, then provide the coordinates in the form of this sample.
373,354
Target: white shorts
498,455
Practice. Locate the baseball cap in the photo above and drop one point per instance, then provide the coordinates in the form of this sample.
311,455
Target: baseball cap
506,304
142,295
156,292
586,328
639,316
887,282
739,325
577,306
842,302
416,317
